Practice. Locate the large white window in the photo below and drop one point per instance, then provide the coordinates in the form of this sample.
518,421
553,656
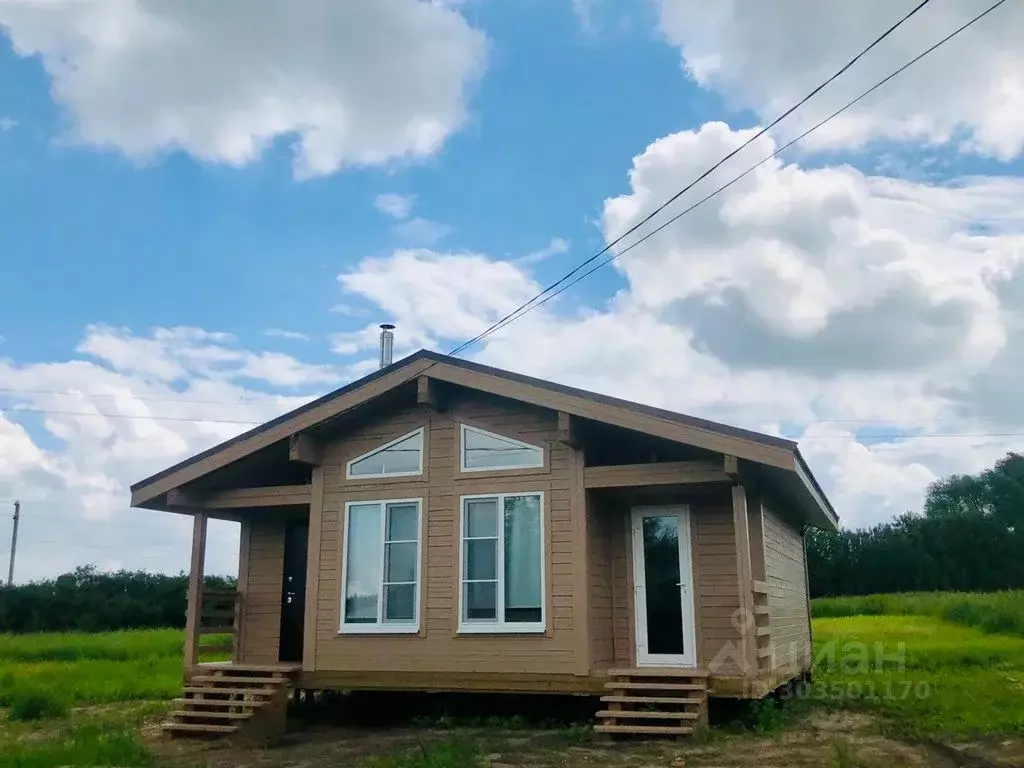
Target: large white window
502,563
400,457
381,567
483,450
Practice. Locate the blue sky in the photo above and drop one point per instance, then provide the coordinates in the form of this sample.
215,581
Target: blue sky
193,237
158,243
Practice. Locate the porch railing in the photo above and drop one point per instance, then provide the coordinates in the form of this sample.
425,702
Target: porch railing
219,623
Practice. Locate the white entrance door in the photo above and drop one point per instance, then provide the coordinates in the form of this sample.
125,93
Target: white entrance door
663,587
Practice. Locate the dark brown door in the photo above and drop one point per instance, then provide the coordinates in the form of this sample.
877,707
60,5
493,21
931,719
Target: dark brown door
293,590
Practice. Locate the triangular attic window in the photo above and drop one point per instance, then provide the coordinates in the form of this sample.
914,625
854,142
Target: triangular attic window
485,450
403,456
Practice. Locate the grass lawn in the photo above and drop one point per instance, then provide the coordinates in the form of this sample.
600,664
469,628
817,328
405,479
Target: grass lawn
929,669
928,677
80,699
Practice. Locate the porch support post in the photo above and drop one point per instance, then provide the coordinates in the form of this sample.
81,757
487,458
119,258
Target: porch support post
745,621
193,613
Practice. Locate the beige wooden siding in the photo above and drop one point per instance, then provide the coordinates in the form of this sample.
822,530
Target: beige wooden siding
438,648
787,592
261,593
716,582
599,573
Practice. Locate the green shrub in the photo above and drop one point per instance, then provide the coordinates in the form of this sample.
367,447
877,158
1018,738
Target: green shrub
28,705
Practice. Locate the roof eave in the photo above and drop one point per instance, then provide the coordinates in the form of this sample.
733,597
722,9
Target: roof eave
815,492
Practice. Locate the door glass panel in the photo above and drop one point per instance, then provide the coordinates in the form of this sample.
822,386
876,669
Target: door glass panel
661,574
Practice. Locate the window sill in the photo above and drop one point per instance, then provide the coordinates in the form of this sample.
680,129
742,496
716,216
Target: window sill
378,629
501,629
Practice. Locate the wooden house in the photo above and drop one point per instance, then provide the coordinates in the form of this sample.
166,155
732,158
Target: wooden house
441,525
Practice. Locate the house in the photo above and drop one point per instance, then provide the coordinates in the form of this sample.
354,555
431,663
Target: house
441,525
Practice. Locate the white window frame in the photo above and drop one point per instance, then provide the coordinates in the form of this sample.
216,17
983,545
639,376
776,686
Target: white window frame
379,448
463,428
499,625
382,627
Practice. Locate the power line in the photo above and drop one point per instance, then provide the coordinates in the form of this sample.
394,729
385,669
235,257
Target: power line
710,170
247,402
194,420
529,306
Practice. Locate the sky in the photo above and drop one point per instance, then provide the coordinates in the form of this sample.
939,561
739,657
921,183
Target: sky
205,213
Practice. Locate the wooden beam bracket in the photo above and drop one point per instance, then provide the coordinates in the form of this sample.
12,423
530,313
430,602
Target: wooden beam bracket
428,393
183,499
567,430
732,467
305,449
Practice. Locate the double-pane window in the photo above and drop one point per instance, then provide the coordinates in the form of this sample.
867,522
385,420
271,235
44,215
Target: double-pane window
502,587
382,567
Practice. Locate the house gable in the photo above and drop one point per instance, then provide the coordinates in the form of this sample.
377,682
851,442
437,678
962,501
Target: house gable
779,458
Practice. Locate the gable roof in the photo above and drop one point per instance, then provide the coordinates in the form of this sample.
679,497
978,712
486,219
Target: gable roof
768,450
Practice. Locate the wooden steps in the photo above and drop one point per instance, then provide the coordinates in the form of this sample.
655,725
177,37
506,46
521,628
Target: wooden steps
654,702
246,700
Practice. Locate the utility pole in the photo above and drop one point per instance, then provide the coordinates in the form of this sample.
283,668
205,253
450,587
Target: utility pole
14,543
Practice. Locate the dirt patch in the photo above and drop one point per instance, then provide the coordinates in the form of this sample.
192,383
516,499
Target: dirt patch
990,753
839,739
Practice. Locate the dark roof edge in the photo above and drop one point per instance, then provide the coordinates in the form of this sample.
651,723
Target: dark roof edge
804,471
649,410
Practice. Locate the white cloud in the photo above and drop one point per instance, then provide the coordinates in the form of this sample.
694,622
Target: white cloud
555,247
7,123
173,354
348,85
435,295
766,56
394,205
281,333
285,371
811,268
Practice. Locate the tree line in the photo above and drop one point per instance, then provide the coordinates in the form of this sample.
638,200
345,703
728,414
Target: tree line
88,600
969,537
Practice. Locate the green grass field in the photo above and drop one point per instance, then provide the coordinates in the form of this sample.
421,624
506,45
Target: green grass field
932,666
994,612
927,677
79,699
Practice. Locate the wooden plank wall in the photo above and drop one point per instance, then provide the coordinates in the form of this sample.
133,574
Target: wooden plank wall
261,593
787,591
438,647
715,582
716,576
599,569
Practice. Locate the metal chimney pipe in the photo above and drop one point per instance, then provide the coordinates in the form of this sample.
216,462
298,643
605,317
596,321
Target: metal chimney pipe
387,343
